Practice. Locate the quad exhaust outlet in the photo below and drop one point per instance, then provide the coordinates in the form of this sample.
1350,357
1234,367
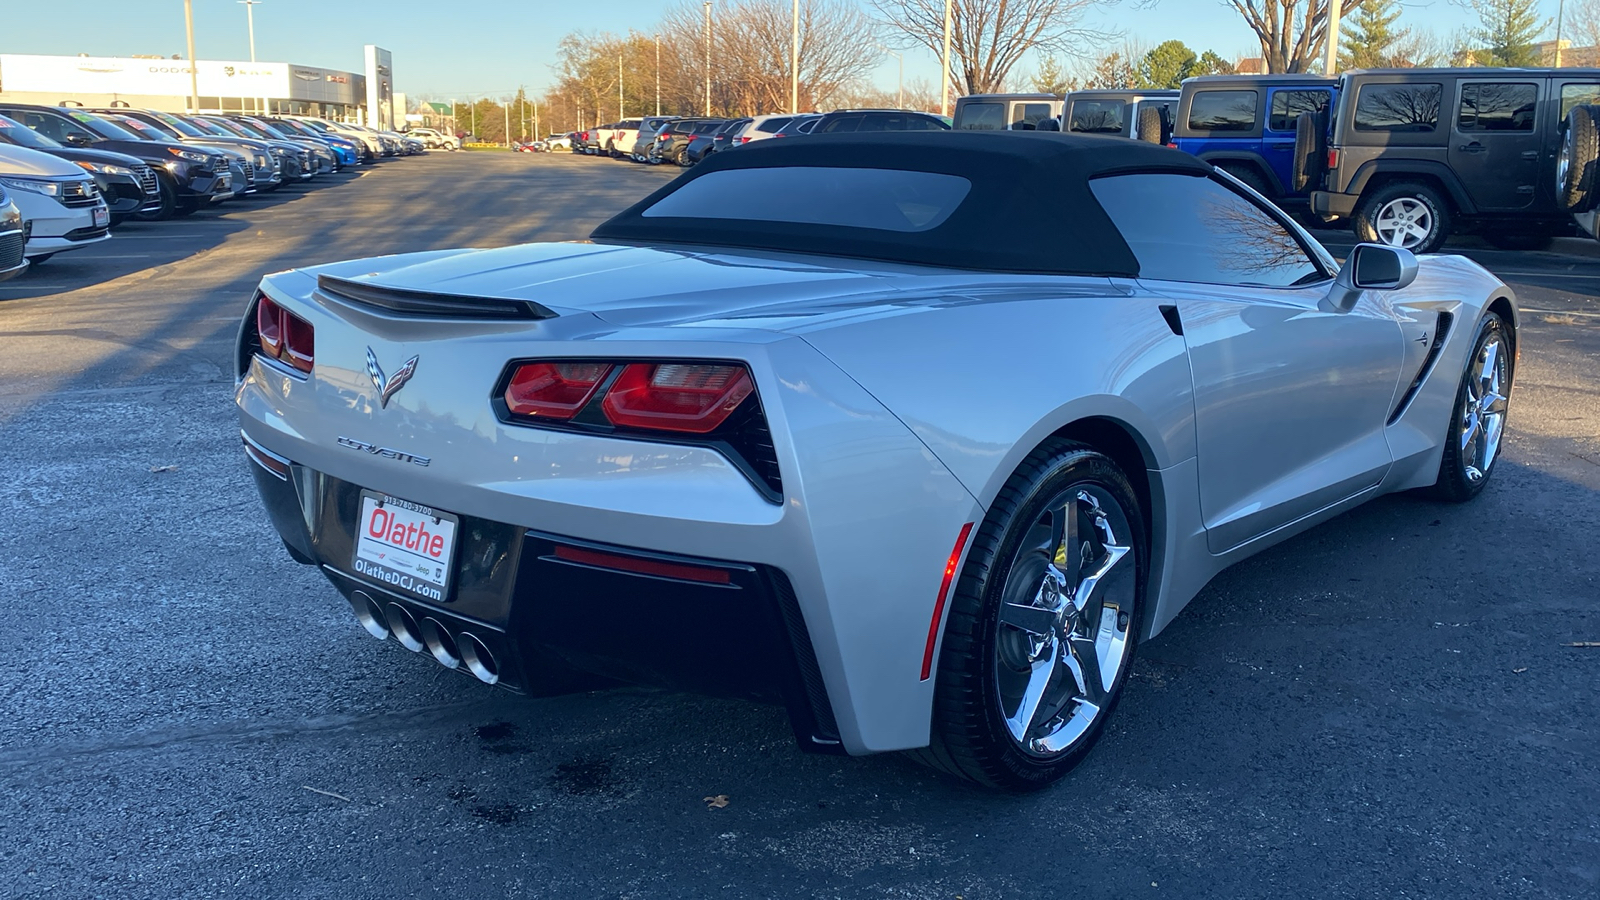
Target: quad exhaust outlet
453,651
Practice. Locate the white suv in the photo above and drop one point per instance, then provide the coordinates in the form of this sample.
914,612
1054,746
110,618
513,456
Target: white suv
59,201
434,139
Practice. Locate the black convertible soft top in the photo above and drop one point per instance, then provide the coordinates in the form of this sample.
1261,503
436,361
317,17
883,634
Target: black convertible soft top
1029,208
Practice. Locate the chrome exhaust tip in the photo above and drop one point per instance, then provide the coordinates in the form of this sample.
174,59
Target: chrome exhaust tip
480,662
403,626
440,643
369,614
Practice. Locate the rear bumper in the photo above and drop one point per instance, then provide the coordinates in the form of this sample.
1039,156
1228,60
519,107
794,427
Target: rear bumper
524,614
1328,203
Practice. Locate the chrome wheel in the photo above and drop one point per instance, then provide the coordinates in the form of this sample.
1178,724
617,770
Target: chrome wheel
1065,611
1483,415
1404,222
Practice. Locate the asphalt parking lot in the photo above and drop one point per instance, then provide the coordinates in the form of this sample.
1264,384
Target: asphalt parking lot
1385,706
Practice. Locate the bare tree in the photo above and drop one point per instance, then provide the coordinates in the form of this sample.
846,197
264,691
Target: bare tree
989,37
1292,33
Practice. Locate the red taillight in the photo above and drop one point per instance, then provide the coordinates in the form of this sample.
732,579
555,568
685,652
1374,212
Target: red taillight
692,398
744,140
299,342
1333,159
555,390
1172,146
269,327
285,336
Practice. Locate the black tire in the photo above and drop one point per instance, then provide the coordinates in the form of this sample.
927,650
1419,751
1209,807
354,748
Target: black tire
1251,176
680,156
169,202
1149,128
1455,484
1437,227
1519,240
1310,162
1577,160
970,735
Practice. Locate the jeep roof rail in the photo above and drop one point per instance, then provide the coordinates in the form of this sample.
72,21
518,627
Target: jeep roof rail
1481,71
1276,78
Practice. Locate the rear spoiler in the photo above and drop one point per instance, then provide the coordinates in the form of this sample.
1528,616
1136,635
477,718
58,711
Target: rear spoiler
428,304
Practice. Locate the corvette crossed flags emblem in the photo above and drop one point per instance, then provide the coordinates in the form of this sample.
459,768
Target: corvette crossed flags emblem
388,387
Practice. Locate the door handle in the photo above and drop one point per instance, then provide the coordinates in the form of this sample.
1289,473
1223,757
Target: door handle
1530,154
1473,147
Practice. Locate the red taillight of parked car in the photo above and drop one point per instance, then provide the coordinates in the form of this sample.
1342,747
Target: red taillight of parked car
553,390
692,398
685,398
1333,159
285,336
744,140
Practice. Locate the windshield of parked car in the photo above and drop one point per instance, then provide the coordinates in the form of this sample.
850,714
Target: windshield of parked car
884,199
224,126
253,130
178,125
13,132
104,127
145,129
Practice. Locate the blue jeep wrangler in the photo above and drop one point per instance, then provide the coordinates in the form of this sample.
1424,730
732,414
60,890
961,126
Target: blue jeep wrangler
1245,126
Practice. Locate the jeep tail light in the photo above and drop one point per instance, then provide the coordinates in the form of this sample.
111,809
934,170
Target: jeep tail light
554,390
692,398
1333,159
284,336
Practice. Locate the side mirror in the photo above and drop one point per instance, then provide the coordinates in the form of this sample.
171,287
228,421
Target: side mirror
1372,267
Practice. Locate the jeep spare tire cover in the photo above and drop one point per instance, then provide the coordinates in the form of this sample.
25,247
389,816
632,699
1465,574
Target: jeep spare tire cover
1148,128
1310,151
1577,160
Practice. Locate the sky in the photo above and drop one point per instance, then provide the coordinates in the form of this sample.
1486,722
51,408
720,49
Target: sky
467,48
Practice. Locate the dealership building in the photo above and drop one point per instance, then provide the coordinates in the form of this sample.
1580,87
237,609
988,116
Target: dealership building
223,86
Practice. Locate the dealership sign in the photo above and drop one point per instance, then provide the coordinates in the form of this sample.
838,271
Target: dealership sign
78,75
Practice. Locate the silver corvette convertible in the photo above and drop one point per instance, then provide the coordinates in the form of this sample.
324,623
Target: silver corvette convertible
917,435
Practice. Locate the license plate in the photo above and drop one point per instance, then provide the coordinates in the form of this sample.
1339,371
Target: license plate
404,545
102,217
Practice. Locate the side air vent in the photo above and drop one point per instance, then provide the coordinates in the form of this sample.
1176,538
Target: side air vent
427,304
1441,330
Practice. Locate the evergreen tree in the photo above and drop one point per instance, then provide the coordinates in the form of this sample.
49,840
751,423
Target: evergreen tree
1369,40
1166,65
1051,78
1212,64
1506,32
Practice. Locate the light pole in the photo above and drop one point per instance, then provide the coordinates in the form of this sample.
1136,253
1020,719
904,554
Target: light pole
620,114
794,62
1561,14
1330,62
708,57
250,17
194,79
944,90
900,86
507,109
658,74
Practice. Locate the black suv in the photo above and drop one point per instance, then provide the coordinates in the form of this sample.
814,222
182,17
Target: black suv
1416,154
127,184
841,121
189,176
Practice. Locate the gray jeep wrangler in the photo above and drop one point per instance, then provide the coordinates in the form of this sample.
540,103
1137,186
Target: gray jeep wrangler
1414,155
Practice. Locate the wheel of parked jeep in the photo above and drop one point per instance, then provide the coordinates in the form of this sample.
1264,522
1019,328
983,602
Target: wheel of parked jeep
1042,625
1405,214
1250,175
1310,151
1518,240
1149,128
1478,421
1577,160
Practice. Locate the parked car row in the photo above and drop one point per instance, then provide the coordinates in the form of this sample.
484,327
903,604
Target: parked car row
687,140
68,175
1406,157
